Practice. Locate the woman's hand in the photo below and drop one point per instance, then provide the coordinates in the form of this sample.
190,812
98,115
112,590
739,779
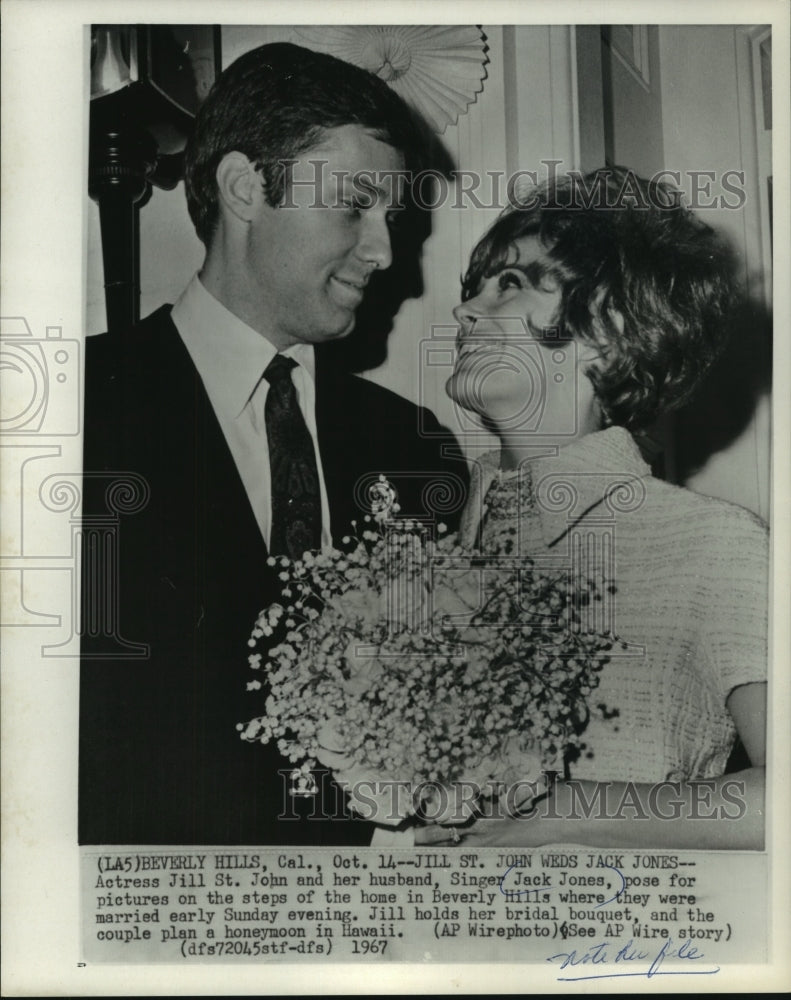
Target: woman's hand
638,814
510,831
673,815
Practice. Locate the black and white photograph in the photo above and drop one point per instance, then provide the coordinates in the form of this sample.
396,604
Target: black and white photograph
394,514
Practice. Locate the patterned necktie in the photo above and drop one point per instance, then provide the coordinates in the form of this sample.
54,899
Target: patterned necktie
296,500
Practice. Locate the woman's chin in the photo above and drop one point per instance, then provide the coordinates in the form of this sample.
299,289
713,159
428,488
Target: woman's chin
460,390
494,405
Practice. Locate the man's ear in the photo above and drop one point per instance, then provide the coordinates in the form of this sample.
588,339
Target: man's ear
240,186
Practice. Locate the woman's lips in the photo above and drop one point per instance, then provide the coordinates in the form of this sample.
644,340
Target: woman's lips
467,347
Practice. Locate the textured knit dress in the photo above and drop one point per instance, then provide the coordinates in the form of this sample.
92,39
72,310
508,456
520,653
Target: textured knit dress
690,599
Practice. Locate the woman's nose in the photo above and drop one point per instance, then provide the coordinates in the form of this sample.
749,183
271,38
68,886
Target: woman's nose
465,314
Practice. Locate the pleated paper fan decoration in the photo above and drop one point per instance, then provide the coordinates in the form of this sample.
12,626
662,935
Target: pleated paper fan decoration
438,69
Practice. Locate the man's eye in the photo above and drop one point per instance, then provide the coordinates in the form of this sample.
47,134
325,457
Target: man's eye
395,219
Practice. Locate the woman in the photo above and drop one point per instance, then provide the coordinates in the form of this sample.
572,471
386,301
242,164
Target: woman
586,316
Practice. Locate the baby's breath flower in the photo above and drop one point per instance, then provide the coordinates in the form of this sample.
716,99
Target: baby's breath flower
429,698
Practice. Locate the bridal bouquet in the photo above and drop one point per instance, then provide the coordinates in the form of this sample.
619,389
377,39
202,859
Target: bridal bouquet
427,677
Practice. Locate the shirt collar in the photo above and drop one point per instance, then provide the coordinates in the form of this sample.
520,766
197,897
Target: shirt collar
230,356
604,466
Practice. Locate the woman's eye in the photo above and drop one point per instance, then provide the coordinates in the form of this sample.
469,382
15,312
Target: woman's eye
509,279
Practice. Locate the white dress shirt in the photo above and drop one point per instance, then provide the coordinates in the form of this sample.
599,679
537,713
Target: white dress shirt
231,359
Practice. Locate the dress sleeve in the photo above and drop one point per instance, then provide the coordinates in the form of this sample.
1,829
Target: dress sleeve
736,625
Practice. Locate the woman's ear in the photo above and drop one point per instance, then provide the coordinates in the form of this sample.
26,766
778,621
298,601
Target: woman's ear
604,317
606,323
615,316
240,186
589,352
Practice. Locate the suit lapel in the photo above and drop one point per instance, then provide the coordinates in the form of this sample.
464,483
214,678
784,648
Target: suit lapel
217,485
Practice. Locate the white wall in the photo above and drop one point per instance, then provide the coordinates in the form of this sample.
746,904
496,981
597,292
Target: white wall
710,124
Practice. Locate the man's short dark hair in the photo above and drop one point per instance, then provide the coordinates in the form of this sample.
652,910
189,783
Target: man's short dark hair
618,244
274,103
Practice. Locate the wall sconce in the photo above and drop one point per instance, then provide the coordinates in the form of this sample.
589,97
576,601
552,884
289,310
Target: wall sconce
147,83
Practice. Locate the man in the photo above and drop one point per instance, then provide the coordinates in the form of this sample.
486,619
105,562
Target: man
289,177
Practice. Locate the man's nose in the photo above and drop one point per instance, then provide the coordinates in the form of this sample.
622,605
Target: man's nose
375,246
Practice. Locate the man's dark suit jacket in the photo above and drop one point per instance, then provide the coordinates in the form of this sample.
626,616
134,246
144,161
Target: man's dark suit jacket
161,761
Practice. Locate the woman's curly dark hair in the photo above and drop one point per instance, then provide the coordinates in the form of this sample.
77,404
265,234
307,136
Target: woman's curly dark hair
642,279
